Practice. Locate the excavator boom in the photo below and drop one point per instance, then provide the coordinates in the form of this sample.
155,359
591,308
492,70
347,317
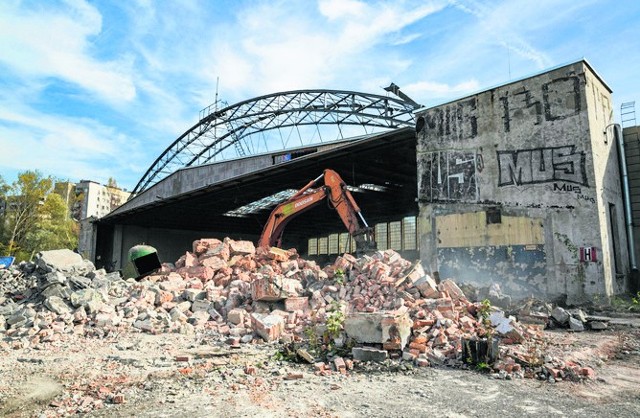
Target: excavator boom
335,191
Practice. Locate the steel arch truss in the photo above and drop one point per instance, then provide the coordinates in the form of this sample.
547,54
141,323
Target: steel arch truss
277,122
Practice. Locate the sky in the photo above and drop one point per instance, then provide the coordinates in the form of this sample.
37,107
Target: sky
99,89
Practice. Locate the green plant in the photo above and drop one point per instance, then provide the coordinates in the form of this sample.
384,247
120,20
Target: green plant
485,309
312,338
635,300
335,321
483,367
339,277
287,352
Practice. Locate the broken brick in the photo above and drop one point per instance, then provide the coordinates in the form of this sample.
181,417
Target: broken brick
269,327
296,303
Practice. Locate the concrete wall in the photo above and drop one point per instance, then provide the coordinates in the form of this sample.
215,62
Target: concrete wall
515,182
631,136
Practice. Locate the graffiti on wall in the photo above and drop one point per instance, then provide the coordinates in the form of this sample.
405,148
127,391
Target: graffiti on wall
456,121
449,175
542,165
557,99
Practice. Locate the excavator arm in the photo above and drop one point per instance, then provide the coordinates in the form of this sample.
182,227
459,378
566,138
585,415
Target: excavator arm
335,191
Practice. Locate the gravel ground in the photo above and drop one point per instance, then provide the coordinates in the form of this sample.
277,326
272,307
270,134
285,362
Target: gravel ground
174,375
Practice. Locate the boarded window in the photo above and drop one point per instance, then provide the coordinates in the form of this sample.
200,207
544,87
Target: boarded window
381,236
409,233
312,248
322,245
345,241
333,244
395,235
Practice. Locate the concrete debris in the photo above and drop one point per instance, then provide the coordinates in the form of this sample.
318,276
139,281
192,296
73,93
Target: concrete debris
598,325
390,329
63,261
560,316
575,324
369,354
242,294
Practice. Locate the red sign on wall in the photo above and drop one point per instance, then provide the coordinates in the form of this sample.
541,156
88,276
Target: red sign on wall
588,254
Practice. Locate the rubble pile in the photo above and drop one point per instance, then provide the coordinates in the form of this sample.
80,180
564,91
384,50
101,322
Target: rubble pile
383,303
575,320
13,282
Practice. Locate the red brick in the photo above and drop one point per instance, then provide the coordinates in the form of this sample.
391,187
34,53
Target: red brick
163,296
198,272
294,376
441,339
190,260
349,364
422,362
588,372
241,247
278,254
296,303
118,399
269,327
212,261
427,288
392,345
422,348
555,373
271,289
339,363
422,323
452,289
421,339
200,246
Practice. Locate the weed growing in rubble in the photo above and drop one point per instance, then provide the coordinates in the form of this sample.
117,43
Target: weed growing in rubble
335,321
339,277
636,299
483,367
312,337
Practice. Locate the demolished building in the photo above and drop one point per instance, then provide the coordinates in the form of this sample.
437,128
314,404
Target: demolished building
519,185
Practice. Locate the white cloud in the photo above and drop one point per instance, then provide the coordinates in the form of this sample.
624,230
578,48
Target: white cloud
284,46
49,43
335,9
513,24
64,147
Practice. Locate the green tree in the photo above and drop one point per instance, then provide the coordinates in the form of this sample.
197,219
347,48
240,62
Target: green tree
54,228
24,198
4,188
115,198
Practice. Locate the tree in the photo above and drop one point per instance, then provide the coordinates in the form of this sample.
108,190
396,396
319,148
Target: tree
115,197
24,200
54,228
4,188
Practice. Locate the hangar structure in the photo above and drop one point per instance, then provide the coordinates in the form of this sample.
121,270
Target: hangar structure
523,186
224,175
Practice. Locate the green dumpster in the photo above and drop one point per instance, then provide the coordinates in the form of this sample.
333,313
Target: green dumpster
145,259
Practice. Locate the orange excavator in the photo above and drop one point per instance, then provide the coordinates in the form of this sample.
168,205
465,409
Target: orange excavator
335,190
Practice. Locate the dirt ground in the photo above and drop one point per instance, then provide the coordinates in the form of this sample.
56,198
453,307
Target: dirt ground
174,375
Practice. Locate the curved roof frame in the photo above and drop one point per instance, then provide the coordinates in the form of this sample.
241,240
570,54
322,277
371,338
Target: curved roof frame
211,138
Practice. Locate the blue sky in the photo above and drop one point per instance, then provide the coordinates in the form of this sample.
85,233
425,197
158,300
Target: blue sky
98,89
